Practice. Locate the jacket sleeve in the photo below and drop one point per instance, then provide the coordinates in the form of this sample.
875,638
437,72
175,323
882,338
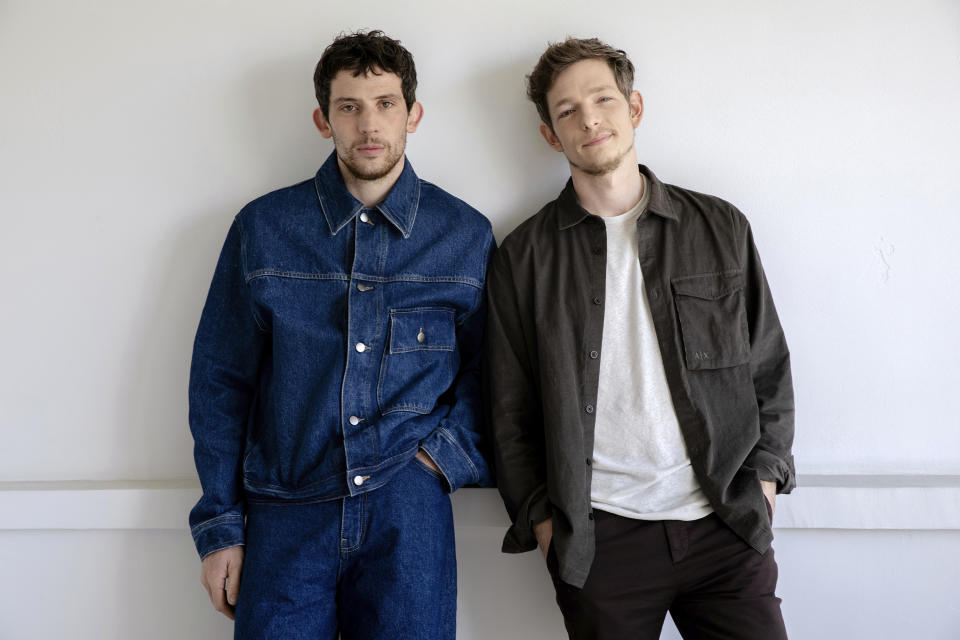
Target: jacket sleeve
458,445
513,401
770,368
223,377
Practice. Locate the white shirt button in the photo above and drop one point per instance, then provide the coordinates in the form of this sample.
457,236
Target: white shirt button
358,480
361,347
364,217
354,420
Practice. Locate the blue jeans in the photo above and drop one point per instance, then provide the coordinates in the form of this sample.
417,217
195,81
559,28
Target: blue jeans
380,564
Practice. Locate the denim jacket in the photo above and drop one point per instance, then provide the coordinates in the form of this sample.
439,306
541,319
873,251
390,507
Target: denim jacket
336,341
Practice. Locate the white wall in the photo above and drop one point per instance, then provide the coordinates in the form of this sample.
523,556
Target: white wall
133,131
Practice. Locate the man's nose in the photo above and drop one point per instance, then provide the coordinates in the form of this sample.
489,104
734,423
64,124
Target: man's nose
589,118
369,121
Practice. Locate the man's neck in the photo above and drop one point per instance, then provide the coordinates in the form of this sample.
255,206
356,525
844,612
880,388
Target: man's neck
612,193
371,192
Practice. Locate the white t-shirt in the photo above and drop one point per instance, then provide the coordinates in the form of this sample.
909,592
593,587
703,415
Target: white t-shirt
641,468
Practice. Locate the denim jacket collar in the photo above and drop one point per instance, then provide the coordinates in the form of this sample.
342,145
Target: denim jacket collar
571,213
339,206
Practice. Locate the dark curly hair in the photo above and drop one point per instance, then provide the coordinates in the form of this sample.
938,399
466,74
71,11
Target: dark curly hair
363,53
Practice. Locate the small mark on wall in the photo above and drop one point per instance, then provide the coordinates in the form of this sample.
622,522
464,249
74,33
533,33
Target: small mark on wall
885,251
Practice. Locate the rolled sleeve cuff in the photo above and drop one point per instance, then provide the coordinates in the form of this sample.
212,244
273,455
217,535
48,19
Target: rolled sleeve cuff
773,468
534,510
218,533
454,463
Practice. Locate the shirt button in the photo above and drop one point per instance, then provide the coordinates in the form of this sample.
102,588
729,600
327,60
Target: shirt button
594,355
354,420
363,287
588,408
590,516
358,480
597,300
364,217
361,347
597,251
589,462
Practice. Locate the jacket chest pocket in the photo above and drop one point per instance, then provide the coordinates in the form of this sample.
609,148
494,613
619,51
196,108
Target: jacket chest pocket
420,361
713,319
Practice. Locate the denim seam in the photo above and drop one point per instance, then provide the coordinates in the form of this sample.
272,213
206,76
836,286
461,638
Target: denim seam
298,275
463,454
415,277
415,208
412,408
427,347
273,487
363,529
243,272
200,527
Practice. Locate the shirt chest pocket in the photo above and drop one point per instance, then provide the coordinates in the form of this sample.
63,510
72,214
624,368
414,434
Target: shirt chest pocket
420,361
713,319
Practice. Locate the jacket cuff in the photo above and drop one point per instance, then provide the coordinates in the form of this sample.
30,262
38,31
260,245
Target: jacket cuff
773,468
218,533
454,463
534,510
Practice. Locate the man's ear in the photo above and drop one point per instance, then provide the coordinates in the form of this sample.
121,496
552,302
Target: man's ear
414,116
550,137
636,108
321,123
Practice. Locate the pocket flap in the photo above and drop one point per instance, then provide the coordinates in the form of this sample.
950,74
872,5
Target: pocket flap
422,330
709,286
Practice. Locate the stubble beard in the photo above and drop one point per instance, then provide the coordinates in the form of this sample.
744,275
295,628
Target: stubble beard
603,168
392,155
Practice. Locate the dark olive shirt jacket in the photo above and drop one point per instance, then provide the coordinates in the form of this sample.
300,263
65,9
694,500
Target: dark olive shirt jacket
723,350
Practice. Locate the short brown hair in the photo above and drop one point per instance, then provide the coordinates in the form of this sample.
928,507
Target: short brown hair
363,53
560,55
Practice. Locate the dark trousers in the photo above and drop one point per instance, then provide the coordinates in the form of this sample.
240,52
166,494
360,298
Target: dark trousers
377,566
714,584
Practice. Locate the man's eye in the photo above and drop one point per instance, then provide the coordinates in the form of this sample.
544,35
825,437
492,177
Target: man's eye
386,104
348,108
565,113
605,99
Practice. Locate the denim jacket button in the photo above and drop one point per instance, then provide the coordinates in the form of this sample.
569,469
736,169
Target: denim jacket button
354,420
358,480
364,217
361,347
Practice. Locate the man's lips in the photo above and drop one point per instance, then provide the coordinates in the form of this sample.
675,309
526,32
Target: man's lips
600,139
369,149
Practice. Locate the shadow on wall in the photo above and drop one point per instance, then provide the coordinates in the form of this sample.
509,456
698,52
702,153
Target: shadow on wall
272,143
154,397
279,121
515,172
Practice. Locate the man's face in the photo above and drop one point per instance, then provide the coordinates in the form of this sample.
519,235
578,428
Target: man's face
368,121
593,122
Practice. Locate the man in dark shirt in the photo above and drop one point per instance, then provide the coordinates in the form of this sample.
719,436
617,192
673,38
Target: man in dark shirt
639,381
335,384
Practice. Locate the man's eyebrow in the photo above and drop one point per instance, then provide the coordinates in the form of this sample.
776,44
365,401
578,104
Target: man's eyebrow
386,96
594,90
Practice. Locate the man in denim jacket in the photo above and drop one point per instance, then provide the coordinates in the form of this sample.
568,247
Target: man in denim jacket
334,390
